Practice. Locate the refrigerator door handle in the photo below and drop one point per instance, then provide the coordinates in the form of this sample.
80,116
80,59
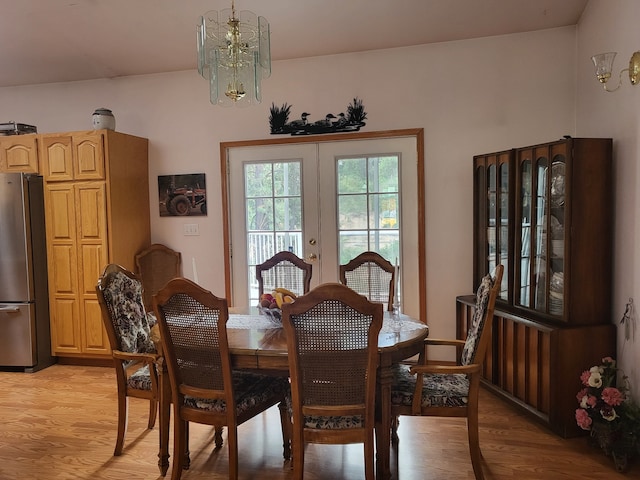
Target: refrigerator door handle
9,309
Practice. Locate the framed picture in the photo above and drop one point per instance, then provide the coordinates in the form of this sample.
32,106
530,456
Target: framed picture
180,195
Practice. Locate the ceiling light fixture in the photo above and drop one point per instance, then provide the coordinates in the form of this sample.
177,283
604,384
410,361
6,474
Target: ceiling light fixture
604,65
234,55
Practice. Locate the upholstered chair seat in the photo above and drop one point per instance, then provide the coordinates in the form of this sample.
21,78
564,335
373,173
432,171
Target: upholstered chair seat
249,390
439,390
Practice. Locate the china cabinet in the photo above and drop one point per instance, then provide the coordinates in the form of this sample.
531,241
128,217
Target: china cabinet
545,213
97,212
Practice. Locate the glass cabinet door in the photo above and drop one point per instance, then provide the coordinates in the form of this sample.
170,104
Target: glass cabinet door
540,229
493,207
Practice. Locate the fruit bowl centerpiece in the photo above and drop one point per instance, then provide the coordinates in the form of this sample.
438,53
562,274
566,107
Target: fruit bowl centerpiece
270,304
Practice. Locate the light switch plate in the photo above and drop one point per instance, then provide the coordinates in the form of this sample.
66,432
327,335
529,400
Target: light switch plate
191,229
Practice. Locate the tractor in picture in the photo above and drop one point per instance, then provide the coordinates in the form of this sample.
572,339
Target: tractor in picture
180,201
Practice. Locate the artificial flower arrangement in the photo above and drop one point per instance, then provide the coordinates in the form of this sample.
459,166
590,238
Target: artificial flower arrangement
607,411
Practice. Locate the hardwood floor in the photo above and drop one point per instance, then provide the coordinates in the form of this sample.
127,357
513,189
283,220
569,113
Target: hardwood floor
60,424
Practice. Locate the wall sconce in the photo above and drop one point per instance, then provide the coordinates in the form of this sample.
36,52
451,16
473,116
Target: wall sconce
604,64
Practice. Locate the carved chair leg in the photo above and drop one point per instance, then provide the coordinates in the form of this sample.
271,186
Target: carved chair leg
369,458
285,421
153,412
187,456
474,443
395,423
123,404
217,436
179,434
232,446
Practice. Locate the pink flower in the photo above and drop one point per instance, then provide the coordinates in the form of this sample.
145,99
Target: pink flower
609,360
591,401
612,396
581,394
584,377
583,419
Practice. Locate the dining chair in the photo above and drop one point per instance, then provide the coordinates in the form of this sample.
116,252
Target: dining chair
332,343
134,354
371,275
204,389
284,270
433,389
156,265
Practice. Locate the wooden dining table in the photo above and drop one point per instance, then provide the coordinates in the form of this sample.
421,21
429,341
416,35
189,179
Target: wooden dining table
257,342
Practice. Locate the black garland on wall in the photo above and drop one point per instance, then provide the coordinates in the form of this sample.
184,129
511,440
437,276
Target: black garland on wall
343,122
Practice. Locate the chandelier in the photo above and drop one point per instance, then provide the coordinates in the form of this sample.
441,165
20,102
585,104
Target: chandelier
234,55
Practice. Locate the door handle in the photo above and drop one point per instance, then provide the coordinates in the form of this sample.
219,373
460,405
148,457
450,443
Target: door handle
9,309
312,257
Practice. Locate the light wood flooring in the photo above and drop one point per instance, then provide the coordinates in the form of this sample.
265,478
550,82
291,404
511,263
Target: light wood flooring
60,424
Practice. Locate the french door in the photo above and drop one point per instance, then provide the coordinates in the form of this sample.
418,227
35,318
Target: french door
326,202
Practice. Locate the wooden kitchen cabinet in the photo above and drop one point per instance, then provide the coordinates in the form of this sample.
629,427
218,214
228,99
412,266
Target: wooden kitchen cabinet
97,212
19,153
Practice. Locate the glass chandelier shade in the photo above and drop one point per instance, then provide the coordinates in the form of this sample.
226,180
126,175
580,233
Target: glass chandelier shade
234,55
604,65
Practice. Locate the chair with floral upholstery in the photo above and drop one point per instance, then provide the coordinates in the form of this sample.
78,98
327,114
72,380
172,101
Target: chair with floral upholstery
134,353
284,270
332,342
371,275
450,390
193,331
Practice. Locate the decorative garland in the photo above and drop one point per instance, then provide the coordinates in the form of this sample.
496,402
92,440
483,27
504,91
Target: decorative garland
350,122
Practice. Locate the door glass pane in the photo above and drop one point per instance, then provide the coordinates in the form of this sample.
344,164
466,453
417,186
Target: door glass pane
556,227
540,240
504,228
273,207
492,247
368,206
525,232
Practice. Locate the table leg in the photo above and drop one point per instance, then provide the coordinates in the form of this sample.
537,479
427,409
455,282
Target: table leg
165,417
383,429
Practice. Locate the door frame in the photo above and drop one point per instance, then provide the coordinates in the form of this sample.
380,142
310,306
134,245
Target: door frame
417,133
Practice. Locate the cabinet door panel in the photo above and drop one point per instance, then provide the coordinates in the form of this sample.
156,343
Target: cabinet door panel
92,248
92,219
89,157
19,154
93,259
62,265
95,336
62,262
60,211
65,323
56,159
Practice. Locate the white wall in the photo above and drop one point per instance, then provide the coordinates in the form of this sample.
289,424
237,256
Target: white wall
470,97
612,26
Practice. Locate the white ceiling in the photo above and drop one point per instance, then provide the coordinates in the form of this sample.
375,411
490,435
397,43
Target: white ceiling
44,41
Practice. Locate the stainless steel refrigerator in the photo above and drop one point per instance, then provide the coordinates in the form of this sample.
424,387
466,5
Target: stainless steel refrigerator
25,339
